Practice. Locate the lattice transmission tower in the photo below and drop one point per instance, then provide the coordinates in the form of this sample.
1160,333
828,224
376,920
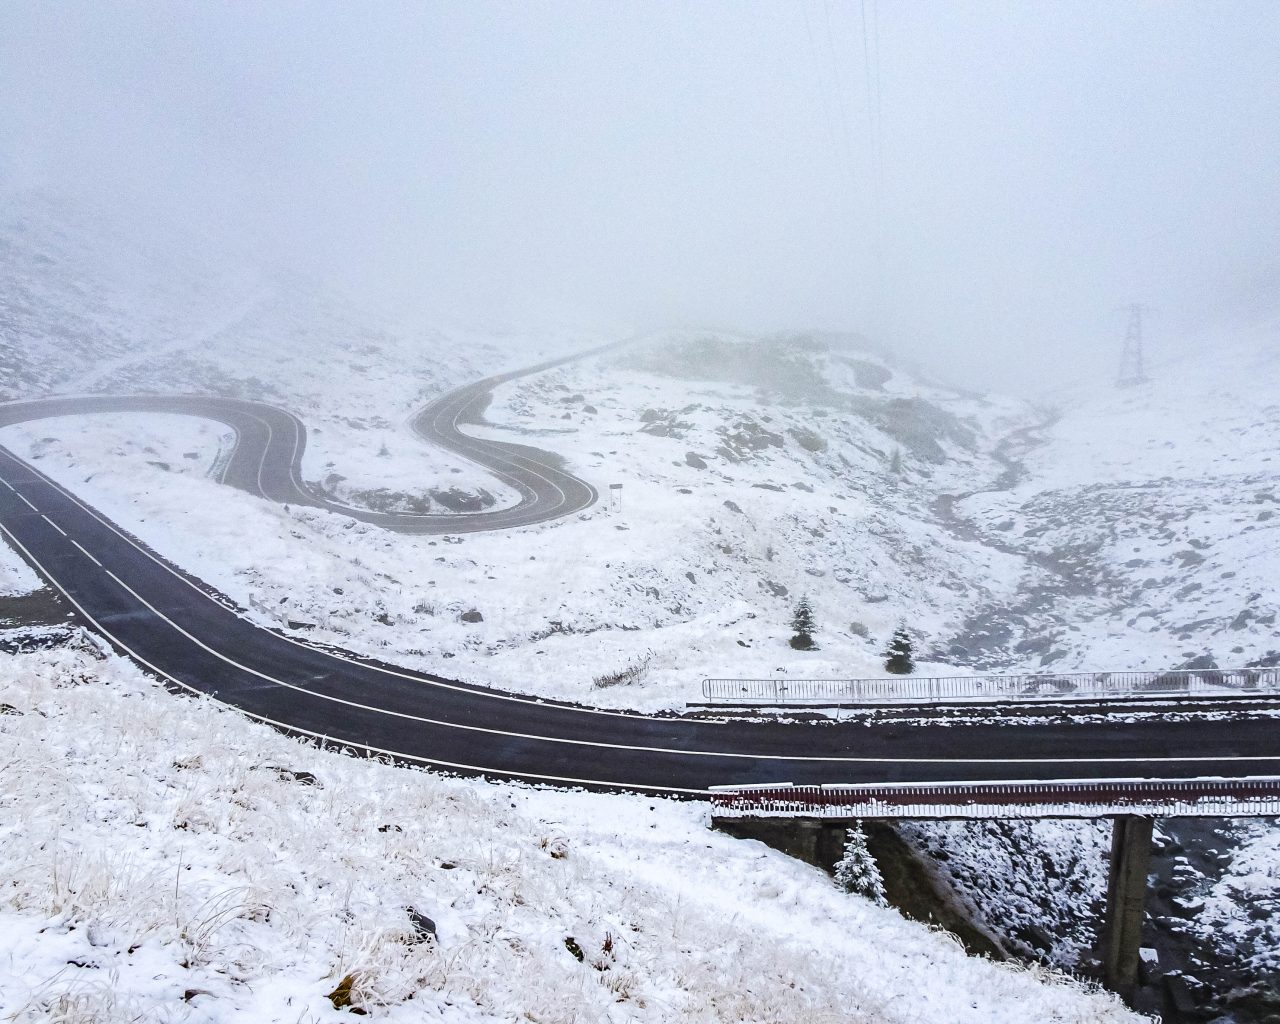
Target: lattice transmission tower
1131,368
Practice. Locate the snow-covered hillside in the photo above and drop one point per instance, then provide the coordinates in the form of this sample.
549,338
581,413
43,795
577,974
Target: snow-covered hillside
166,860
1149,519
92,305
754,472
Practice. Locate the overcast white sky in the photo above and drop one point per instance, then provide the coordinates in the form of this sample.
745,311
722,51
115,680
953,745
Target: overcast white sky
672,164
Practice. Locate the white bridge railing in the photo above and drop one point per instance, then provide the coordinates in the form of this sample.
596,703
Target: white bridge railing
1083,798
1204,683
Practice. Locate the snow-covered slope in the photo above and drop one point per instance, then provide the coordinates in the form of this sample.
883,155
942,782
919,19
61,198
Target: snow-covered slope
167,861
1150,521
1147,518
92,305
754,472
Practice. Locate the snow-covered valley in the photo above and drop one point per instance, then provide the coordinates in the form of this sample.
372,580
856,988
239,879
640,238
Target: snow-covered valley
1098,530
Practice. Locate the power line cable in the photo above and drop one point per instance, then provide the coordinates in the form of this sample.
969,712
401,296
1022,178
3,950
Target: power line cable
820,86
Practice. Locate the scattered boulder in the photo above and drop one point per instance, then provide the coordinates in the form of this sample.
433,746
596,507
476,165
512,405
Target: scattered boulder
695,460
871,376
663,423
471,615
291,775
747,438
808,439
424,929
732,506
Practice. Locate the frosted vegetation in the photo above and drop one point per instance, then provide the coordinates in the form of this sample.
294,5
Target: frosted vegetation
166,860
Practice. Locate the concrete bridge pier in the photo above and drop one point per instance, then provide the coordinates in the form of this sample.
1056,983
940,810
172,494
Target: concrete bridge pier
1126,903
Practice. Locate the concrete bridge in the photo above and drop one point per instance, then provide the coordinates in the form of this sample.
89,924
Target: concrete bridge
810,822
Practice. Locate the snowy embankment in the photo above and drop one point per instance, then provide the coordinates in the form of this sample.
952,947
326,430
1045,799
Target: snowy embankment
16,577
166,860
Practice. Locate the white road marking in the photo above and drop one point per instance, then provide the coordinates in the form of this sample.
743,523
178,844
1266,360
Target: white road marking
1231,758
28,504
421,680
55,526
86,553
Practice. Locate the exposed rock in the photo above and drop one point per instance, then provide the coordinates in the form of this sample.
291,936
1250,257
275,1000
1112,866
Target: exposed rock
695,460
291,775
424,929
871,376
807,439
917,425
472,615
746,438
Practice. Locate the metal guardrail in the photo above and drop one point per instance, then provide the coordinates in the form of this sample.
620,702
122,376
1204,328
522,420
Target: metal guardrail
1206,683
1216,798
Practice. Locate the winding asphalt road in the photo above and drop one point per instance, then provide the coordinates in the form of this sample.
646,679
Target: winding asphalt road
196,641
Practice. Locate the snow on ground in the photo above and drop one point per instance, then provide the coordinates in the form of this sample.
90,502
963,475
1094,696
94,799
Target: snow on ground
1151,514
1147,518
754,470
1039,885
1250,882
80,292
91,305
816,479
16,577
167,860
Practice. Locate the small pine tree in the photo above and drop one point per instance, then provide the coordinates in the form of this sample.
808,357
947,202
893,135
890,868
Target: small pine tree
802,623
897,656
856,872
895,462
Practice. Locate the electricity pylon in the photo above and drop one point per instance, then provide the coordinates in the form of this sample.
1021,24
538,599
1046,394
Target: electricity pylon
1131,371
